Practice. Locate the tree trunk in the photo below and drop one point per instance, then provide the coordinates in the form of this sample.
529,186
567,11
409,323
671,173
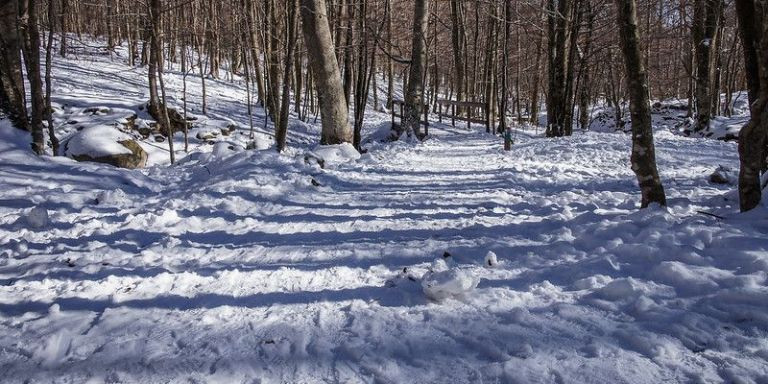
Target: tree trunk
753,26
64,26
282,129
12,93
326,74
559,15
643,152
414,99
706,19
458,38
30,33
48,69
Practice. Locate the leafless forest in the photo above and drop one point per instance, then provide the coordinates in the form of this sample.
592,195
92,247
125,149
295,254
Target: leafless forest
498,61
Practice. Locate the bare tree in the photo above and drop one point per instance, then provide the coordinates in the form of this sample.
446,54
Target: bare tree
643,152
326,74
30,33
414,98
12,93
753,26
706,21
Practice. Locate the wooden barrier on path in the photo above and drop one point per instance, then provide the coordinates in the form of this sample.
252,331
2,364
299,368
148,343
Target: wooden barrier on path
470,112
399,105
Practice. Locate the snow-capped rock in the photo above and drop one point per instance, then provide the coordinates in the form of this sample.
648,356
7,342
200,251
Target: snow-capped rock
491,260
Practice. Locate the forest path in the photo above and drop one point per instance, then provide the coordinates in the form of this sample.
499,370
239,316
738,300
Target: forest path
239,268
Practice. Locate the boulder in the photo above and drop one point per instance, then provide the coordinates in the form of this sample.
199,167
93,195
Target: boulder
108,145
136,159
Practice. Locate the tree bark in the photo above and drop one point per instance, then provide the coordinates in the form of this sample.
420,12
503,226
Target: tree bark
753,26
458,38
282,129
12,92
643,152
30,33
326,74
414,99
559,16
706,20
48,69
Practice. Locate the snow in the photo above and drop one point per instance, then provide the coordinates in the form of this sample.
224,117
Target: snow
37,218
491,260
233,266
449,282
97,141
335,155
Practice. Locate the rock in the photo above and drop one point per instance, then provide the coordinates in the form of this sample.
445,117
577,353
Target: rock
178,123
136,159
97,111
106,144
722,175
159,138
207,135
145,132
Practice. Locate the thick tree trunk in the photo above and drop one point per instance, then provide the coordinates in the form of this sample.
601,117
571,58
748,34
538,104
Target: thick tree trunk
326,74
12,93
643,152
414,99
559,15
753,26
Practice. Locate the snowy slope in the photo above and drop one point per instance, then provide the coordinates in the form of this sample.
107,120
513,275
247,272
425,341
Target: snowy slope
249,266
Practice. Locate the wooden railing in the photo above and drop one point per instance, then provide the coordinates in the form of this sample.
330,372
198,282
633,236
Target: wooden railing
399,105
469,109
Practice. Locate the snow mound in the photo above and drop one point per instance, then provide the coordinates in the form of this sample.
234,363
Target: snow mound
98,141
334,155
491,260
37,218
443,282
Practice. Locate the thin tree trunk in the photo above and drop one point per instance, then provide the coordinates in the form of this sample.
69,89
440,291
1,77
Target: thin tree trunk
292,21
48,69
31,42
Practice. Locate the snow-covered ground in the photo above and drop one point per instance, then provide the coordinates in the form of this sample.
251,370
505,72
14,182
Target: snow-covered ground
254,267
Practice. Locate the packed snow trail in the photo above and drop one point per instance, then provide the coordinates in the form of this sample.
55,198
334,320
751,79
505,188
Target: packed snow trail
240,268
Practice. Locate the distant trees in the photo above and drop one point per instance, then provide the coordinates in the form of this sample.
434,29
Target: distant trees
517,57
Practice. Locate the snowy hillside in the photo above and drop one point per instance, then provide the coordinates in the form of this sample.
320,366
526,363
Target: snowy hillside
238,266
